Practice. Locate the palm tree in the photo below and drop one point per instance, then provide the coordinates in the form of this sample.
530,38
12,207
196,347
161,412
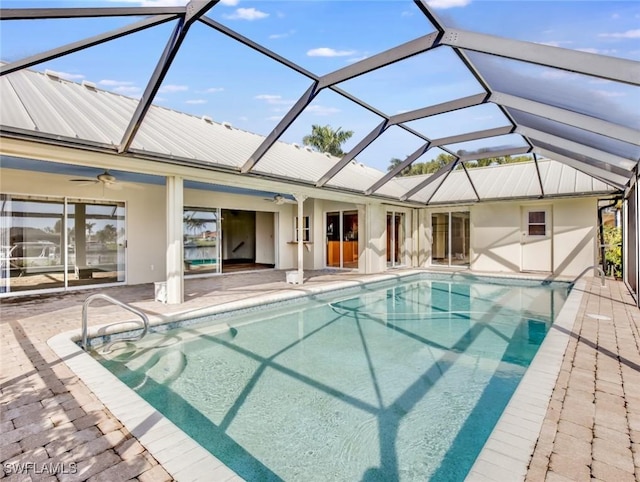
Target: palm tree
326,139
89,227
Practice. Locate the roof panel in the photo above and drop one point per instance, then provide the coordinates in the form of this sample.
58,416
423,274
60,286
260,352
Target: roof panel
575,134
484,147
611,101
197,78
13,111
359,177
32,91
456,187
198,138
294,162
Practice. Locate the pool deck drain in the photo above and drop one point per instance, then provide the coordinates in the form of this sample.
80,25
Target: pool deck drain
590,426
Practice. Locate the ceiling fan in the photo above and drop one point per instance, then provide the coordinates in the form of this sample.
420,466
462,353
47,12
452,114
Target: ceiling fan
108,180
280,199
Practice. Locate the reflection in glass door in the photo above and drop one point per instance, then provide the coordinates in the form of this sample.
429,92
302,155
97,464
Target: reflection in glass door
56,243
459,239
395,239
440,243
342,239
201,241
96,242
450,244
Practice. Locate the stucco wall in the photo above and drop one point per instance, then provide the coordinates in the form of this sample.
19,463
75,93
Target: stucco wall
497,230
495,237
575,235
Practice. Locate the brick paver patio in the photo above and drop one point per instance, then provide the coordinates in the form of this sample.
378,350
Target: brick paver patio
50,419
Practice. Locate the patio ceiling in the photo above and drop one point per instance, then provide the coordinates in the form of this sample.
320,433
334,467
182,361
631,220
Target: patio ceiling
542,118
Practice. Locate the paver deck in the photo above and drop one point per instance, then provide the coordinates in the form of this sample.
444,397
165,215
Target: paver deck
49,418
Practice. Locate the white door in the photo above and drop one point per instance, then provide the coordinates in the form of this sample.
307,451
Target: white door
536,238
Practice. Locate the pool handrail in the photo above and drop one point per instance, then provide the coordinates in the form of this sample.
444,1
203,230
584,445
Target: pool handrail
85,310
594,267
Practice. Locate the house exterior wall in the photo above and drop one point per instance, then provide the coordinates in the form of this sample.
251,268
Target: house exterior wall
497,230
575,235
145,215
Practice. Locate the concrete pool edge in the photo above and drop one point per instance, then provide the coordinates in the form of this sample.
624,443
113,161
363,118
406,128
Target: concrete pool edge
508,450
186,460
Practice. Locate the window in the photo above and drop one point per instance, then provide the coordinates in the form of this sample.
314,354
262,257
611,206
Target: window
537,223
55,243
306,229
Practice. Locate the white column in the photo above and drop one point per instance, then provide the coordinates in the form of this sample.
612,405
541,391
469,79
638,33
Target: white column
175,265
300,198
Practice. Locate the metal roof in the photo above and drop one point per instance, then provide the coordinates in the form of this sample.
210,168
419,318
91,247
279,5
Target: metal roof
595,147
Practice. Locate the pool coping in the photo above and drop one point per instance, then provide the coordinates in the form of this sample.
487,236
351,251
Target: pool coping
186,460
507,452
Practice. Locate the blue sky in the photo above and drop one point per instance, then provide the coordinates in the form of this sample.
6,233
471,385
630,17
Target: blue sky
218,77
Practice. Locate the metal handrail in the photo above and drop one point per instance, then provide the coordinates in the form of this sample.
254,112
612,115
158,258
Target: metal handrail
85,309
596,268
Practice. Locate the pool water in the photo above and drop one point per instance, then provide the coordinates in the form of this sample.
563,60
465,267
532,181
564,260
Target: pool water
402,382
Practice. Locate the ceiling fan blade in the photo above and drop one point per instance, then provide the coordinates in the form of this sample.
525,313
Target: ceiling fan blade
84,180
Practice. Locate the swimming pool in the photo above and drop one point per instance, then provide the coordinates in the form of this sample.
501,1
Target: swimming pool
402,381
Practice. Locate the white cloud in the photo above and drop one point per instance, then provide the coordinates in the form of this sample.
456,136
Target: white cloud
442,4
68,76
229,3
213,90
247,14
322,110
273,99
282,35
406,13
268,97
243,118
167,89
627,34
274,118
115,83
615,16
328,52
196,101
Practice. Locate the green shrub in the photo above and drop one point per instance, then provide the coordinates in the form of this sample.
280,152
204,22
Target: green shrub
613,249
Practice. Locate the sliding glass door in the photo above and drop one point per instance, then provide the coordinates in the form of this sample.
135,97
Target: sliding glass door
450,243
395,239
50,243
201,241
342,239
